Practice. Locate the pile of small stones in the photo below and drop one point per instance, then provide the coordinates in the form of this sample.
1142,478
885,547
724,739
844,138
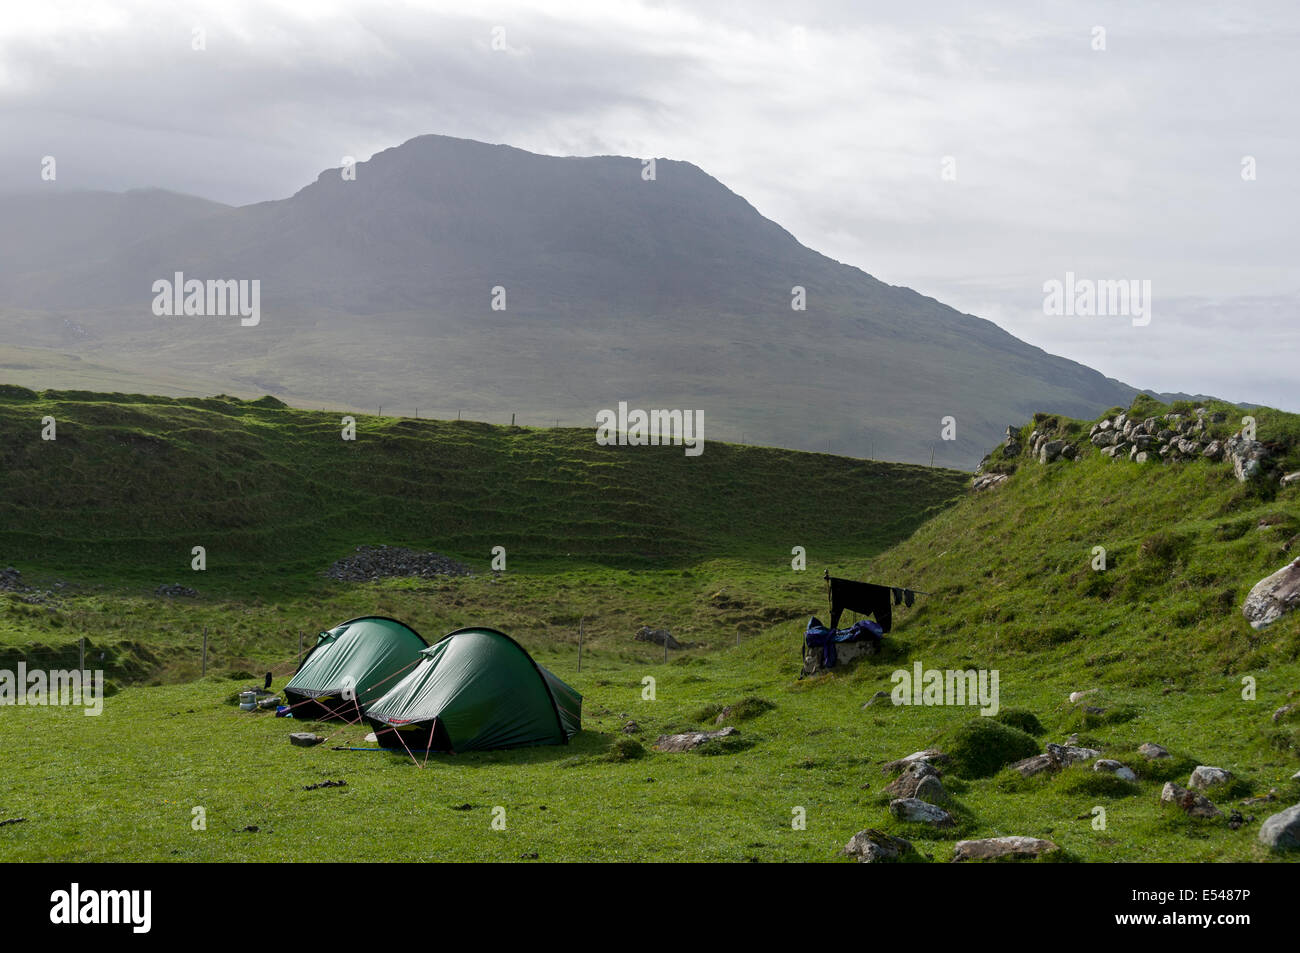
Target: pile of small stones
175,589
379,562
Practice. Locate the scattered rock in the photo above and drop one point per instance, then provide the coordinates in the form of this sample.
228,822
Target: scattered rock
879,696
1236,821
996,848
1051,451
920,812
1290,478
325,784
175,590
1076,697
1247,456
1205,776
631,728
931,789
382,562
1069,754
691,739
1035,765
530,855
1282,831
304,739
874,847
1114,767
1054,758
929,755
987,481
1191,802
1273,596
906,784
657,636
1152,751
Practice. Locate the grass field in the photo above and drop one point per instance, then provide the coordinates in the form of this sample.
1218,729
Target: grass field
599,539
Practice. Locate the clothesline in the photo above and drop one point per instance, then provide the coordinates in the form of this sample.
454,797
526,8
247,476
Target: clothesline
827,576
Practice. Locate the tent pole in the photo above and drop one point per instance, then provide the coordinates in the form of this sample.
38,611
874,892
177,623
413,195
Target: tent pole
433,727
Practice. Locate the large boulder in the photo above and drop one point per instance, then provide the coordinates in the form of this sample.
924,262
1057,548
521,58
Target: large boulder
997,848
1273,596
1282,831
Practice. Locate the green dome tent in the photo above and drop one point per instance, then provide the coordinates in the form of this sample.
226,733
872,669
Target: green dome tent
368,655
475,689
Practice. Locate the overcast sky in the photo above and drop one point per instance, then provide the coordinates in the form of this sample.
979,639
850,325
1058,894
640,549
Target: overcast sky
832,118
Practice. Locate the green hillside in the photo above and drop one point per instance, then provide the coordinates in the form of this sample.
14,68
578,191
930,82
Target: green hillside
1157,637
132,483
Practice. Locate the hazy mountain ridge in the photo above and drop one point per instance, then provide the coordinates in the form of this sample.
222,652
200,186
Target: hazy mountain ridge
674,293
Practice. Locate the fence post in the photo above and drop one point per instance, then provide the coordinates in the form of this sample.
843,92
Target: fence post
205,650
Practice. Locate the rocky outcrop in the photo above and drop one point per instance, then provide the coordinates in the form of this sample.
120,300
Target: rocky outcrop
1273,596
1170,438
